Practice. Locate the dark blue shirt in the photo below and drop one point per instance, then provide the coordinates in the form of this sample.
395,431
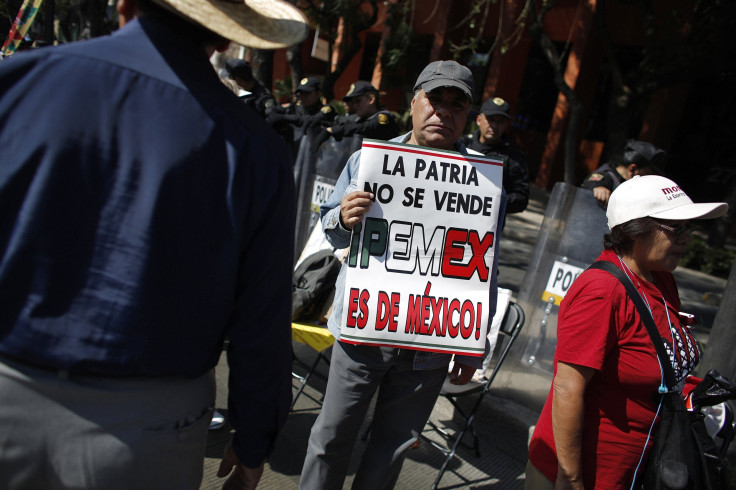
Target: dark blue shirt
145,214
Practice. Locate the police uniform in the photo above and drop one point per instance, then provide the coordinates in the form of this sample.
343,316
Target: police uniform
640,153
296,114
381,125
515,173
260,99
295,120
300,116
604,176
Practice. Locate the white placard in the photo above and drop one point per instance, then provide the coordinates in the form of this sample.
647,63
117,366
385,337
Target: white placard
420,262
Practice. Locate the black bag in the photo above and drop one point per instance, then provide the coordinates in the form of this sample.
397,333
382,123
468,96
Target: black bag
314,285
683,456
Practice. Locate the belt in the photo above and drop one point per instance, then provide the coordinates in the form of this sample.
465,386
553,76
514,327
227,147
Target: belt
68,373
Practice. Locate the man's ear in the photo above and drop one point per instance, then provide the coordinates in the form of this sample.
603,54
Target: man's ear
221,47
217,46
478,118
127,11
633,169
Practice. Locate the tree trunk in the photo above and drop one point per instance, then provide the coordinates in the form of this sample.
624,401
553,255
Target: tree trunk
263,67
617,127
350,33
294,57
722,338
48,25
97,18
577,109
721,227
618,123
328,85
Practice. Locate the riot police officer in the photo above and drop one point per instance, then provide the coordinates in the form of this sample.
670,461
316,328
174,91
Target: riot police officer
639,158
491,139
251,92
299,118
370,121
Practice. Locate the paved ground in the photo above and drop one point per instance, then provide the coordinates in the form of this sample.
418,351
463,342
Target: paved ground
503,425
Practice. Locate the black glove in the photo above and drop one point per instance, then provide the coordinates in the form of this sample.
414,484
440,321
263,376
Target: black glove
320,138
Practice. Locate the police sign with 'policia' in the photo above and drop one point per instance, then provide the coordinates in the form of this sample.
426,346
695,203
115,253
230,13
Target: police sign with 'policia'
435,216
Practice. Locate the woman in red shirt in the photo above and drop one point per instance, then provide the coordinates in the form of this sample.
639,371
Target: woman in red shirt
594,430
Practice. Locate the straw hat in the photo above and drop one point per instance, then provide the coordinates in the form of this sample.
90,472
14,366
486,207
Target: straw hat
263,24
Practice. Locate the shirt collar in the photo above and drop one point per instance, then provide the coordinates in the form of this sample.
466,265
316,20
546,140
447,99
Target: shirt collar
459,146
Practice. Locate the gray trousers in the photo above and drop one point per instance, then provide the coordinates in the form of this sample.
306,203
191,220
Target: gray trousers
535,480
405,401
101,433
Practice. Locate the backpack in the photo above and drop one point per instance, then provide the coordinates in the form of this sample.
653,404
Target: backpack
314,285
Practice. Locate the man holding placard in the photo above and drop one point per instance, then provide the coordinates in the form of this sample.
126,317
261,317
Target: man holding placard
419,219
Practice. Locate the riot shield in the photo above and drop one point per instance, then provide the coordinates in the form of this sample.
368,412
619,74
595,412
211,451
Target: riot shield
318,173
570,239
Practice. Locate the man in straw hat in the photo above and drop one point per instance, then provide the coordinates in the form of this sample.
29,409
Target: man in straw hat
408,382
137,232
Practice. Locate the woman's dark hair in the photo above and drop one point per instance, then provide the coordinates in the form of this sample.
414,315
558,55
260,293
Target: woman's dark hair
622,237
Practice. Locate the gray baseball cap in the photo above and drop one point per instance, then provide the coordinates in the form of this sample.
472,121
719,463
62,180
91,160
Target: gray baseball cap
446,73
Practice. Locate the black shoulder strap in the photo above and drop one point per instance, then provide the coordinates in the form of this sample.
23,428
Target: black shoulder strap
646,316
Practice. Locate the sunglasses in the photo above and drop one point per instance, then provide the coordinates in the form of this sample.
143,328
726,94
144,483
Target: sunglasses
678,229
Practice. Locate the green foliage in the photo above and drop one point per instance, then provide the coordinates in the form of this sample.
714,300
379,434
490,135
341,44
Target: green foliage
474,23
282,88
81,19
403,119
4,12
8,12
688,42
714,261
353,17
338,106
398,44
329,12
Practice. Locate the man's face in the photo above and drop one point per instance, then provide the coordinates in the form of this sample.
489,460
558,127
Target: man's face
438,117
362,105
492,128
308,98
245,84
